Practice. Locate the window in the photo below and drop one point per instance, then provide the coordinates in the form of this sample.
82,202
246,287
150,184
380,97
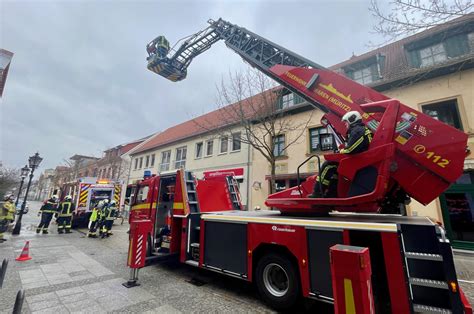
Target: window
224,144
432,55
147,161
365,75
142,195
136,165
199,149
140,163
210,147
320,139
279,145
180,157
446,111
165,160
280,185
152,163
236,141
288,100
426,53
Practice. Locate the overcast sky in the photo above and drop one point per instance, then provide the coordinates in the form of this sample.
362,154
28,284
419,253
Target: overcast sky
78,82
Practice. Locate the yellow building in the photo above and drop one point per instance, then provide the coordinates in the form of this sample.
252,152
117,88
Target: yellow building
433,72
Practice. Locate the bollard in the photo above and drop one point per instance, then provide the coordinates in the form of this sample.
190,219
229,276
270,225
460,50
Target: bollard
3,271
20,297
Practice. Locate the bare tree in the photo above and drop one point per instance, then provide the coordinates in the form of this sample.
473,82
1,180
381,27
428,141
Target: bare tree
9,178
406,17
256,112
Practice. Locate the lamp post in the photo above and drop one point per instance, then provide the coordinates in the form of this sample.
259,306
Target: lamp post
33,162
24,173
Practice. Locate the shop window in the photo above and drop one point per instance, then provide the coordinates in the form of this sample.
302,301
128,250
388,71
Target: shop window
460,206
280,185
199,149
279,145
165,160
320,139
446,111
180,157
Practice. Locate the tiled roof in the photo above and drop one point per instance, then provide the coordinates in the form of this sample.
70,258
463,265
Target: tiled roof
225,116
396,65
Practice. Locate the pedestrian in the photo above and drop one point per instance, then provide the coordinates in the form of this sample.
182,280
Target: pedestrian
64,213
47,211
7,214
93,221
110,214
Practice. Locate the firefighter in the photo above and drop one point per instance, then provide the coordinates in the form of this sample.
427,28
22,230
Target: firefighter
47,211
64,213
93,221
101,214
358,138
159,46
7,214
111,213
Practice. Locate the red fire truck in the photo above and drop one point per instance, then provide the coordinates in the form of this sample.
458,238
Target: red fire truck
87,192
286,251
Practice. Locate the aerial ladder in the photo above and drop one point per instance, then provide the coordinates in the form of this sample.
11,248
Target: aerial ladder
411,154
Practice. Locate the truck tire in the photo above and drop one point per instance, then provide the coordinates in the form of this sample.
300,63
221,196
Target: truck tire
277,281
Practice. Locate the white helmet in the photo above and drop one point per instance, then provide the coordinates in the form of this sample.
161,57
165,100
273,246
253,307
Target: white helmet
351,117
68,197
106,201
9,197
113,202
54,197
101,203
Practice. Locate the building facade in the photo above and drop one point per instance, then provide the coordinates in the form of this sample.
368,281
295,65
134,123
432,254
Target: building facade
191,146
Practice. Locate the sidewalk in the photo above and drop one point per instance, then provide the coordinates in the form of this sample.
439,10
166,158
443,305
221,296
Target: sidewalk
70,273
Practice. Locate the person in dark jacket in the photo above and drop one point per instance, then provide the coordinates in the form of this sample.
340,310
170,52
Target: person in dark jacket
64,218
358,138
47,211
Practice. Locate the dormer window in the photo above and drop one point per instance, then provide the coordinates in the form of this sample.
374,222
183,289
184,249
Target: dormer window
366,71
432,55
289,99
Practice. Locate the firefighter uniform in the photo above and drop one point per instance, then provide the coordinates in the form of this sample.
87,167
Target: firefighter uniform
64,219
108,219
47,211
7,215
93,222
162,46
358,139
326,182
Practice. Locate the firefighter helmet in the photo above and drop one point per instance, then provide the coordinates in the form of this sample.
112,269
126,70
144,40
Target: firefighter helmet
8,197
106,201
113,202
68,197
351,117
54,197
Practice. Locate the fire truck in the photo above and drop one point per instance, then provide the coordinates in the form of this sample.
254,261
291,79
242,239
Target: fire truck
293,251
87,192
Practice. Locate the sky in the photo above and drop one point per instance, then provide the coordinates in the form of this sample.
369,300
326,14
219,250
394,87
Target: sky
78,82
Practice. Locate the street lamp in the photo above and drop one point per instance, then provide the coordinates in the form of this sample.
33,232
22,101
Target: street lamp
33,162
24,173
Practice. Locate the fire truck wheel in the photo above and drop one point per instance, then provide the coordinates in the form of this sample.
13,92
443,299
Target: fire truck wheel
277,281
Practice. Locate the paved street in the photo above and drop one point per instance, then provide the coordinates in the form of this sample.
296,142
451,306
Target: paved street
72,273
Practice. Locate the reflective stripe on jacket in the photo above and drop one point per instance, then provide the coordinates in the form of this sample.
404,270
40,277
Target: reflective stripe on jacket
65,209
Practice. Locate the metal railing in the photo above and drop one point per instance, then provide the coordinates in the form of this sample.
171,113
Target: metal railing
298,180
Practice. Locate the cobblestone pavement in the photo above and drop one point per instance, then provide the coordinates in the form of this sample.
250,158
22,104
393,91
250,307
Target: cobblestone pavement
73,274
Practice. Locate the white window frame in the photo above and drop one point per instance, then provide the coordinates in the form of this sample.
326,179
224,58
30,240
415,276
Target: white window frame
223,139
165,160
180,161
207,148
198,153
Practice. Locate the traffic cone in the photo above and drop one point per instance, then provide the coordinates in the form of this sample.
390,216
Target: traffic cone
25,254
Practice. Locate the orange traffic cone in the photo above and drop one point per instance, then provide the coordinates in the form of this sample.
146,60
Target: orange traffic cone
25,254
